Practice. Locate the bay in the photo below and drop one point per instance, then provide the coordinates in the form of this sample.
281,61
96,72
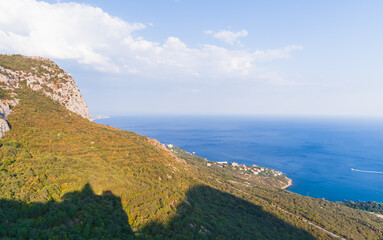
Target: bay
333,158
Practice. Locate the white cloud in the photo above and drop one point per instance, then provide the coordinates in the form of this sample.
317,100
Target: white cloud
62,30
90,36
228,36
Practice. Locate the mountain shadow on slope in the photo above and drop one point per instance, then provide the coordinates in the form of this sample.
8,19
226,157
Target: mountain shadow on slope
206,213
81,215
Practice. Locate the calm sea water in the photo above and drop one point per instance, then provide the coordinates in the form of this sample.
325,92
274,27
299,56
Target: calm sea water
318,154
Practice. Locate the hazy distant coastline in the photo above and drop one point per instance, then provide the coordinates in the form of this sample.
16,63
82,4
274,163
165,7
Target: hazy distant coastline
96,117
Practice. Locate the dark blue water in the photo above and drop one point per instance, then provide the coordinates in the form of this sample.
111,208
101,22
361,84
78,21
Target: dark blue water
316,153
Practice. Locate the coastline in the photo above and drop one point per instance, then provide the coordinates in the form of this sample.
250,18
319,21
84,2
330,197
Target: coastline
176,129
288,184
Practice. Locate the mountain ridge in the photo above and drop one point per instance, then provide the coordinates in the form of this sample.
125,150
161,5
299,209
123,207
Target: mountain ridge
39,74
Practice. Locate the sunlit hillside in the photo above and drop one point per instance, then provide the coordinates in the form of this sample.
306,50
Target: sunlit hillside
65,177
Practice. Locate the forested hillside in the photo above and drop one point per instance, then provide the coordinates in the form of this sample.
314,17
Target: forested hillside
366,206
65,177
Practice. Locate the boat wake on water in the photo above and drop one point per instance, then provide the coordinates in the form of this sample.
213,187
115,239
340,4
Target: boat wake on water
365,171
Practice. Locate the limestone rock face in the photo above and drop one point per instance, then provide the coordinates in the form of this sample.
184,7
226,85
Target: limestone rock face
40,74
5,109
4,127
66,92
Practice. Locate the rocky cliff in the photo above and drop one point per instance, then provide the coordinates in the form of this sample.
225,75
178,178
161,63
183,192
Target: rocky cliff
4,127
39,74
5,110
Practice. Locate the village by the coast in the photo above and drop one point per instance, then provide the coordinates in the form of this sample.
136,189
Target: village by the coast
241,168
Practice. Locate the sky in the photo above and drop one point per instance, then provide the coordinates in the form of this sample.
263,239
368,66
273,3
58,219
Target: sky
209,57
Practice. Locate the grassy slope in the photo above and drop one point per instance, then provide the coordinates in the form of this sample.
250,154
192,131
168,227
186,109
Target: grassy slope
61,152
64,176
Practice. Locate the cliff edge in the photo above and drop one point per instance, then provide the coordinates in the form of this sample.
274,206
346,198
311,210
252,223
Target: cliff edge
39,74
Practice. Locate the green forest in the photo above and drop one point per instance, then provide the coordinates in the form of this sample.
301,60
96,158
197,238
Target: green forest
366,206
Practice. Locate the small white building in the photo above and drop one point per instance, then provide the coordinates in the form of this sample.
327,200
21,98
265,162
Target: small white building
170,146
224,162
208,164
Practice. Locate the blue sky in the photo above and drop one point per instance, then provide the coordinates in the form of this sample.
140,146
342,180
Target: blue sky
209,57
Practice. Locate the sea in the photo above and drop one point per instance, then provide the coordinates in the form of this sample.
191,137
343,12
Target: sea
331,158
